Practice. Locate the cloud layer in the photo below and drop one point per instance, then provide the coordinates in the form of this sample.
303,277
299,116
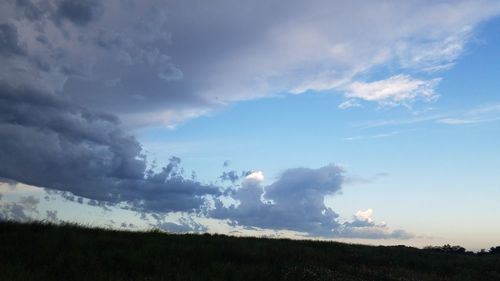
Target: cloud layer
48,142
163,62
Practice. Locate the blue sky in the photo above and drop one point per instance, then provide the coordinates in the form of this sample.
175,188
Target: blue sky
415,172
364,122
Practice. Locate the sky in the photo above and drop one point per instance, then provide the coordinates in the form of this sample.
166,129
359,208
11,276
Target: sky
373,122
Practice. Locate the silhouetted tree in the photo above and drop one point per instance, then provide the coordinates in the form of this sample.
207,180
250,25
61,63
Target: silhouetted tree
495,250
447,248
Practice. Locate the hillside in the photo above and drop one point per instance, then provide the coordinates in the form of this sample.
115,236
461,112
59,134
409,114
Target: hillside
67,252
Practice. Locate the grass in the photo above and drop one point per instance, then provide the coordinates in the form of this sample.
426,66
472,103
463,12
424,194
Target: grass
39,251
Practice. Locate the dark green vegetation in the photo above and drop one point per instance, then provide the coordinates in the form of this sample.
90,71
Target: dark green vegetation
67,252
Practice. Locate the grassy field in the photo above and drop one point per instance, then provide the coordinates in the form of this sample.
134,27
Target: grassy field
67,252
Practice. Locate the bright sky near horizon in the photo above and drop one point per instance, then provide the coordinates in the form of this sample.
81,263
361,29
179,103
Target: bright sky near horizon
367,122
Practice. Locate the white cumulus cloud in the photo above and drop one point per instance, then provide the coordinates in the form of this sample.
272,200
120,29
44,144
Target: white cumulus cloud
255,177
364,215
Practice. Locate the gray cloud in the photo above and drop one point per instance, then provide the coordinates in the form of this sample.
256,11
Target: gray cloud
33,10
46,141
183,225
177,60
9,41
52,216
293,202
231,176
374,232
79,12
23,210
365,227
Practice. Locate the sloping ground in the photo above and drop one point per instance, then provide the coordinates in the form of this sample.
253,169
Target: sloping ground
68,252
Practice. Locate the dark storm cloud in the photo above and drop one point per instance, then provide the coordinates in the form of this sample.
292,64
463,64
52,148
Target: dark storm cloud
48,142
9,42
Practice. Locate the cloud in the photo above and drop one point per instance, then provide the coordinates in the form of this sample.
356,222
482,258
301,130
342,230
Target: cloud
364,215
23,210
488,113
52,216
295,202
255,177
364,180
396,90
376,136
86,153
9,41
363,226
462,121
183,225
178,60
377,232
80,12
349,104
231,176
481,114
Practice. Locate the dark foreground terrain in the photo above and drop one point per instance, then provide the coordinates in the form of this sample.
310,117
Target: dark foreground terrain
66,252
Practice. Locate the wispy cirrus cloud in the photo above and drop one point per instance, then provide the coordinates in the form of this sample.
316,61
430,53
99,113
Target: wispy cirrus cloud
481,114
488,113
374,136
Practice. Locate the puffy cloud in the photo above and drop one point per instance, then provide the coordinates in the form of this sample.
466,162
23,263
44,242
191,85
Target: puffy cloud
364,215
254,177
363,226
49,142
293,202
